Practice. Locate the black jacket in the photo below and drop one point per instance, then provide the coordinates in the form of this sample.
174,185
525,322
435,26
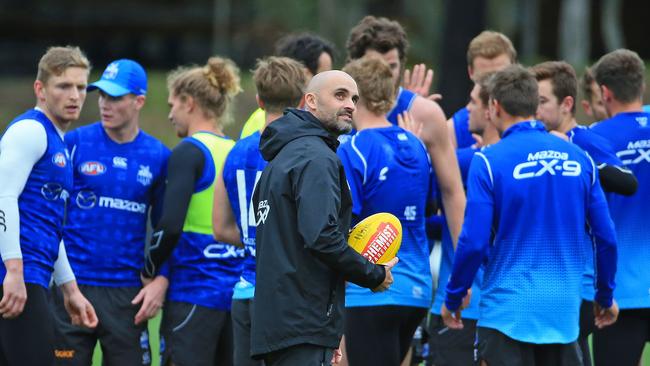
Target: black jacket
303,210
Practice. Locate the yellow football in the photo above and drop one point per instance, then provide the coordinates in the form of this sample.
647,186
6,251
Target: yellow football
377,237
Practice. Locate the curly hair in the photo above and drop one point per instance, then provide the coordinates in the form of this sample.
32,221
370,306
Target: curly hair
379,34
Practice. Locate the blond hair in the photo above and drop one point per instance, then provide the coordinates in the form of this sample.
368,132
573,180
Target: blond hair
280,83
58,59
375,82
212,86
490,44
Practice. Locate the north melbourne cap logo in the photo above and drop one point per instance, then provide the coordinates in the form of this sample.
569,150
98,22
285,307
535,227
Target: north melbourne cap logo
111,71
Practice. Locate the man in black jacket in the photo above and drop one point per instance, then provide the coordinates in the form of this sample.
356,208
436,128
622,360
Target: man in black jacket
303,211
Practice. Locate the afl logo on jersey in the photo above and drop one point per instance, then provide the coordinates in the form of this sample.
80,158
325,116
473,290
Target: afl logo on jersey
59,160
92,168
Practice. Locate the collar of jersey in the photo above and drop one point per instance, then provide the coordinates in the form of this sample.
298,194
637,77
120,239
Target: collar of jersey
626,115
532,125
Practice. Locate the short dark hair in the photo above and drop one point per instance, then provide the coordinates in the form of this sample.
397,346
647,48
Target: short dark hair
585,84
280,83
379,34
623,72
304,47
562,77
515,88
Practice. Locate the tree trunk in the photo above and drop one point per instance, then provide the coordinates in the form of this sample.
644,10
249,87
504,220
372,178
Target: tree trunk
221,27
574,36
327,19
610,22
459,29
529,27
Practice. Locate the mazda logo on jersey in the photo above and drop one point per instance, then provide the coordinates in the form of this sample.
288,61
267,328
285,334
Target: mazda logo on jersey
92,168
53,191
86,199
59,160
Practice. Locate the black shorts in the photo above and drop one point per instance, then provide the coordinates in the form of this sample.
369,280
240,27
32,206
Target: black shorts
452,347
28,339
380,335
122,342
587,327
622,342
496,348
301,354
241,331
193,335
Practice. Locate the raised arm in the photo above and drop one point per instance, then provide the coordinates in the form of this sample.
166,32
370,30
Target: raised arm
443,157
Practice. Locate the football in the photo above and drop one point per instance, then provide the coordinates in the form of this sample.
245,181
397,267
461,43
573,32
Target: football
377,237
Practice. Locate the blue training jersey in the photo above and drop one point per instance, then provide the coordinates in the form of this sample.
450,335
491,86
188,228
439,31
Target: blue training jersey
388,170
447,256
601,152
537,192
41,205
403,103
241,171
203,271
115,185
461,129
629,135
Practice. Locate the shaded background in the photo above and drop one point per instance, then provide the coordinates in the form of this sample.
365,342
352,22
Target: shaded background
163,34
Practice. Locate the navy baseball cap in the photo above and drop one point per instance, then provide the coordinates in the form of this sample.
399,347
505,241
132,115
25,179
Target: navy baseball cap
122,77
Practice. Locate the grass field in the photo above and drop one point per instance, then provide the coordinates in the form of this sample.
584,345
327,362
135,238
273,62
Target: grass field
154,341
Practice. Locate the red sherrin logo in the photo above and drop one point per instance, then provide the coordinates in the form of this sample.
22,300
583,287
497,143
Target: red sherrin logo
92,168
59,160
380,241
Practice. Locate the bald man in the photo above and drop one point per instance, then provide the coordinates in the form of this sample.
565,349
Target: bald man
303,210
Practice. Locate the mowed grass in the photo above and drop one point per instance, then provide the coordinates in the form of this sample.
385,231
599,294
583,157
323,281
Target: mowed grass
154,341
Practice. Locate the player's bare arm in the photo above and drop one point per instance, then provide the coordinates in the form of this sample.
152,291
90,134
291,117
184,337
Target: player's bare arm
78,307
443,158
451,133
224,226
